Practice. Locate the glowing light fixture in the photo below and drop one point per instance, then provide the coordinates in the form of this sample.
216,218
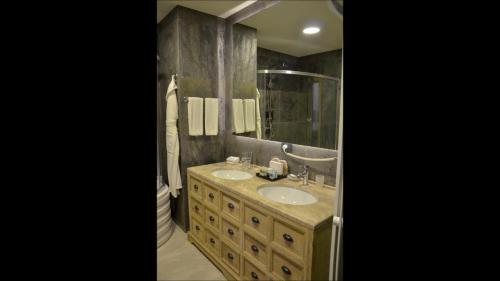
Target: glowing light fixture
311,30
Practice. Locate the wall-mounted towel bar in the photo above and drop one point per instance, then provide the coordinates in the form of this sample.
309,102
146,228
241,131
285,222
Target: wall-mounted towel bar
186,99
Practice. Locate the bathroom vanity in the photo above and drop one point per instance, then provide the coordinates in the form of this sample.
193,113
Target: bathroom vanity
250,237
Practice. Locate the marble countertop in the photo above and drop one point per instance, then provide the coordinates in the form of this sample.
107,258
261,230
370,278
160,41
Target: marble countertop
310,216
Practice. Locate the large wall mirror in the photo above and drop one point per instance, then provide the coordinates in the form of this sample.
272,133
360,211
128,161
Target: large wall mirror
287,58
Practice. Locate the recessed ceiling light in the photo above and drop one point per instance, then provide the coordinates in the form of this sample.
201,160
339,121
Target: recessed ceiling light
311,30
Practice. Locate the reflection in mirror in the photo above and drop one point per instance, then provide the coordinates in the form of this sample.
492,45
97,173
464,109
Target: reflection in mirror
287,62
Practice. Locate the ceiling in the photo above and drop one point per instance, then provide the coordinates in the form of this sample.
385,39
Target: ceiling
279,28
215,8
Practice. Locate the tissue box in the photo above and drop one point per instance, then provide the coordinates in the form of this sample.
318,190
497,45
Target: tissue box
278,166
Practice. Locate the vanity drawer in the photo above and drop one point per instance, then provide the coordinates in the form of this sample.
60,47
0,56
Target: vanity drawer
289,237
212,242
212,220
257,221
285,269
231,206
255,249
197,209
231,258
212,197
251,272
231,232
196,188
197,229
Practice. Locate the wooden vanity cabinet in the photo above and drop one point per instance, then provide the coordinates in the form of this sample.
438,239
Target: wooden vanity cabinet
247,241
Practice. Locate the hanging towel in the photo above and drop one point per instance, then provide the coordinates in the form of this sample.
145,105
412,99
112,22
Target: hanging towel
249,115
195,116
173,171
257,113
238,117
211,116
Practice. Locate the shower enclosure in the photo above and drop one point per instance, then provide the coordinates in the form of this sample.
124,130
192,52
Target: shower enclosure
307,102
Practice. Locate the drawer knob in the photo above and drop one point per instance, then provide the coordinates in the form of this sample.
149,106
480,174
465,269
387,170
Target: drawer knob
230,205
230,231
211,195
255,249
255,219
287,237
197,228
212,240
195,187
196,208
230,256
286,270
212,218
254,275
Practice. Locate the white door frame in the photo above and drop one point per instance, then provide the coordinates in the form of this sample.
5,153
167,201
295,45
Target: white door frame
338,202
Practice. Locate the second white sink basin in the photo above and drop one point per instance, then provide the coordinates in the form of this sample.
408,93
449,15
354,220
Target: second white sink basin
229,174
286,194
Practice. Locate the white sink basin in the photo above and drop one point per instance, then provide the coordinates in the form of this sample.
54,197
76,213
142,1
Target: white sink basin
228,174
286,194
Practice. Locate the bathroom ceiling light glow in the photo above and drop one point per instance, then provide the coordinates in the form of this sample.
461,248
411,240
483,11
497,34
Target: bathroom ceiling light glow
311,30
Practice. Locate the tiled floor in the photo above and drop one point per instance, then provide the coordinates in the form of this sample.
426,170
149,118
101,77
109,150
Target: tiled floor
178,259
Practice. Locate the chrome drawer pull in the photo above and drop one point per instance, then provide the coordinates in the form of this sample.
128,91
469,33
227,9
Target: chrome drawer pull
230,231
230,205
255,219
254,275
230,256
212,218
211,195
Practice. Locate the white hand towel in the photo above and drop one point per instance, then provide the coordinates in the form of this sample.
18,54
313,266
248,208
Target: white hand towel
211,116
238,116
249,115
257,113
195,116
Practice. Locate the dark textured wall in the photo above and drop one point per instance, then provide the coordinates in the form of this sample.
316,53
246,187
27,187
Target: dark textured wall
198,54
168,65
268,59
327,63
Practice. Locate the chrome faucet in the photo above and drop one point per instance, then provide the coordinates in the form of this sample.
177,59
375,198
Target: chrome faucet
304,175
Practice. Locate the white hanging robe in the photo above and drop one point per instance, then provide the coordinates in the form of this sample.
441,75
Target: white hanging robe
174,174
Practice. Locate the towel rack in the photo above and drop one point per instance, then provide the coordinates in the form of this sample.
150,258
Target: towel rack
186,100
